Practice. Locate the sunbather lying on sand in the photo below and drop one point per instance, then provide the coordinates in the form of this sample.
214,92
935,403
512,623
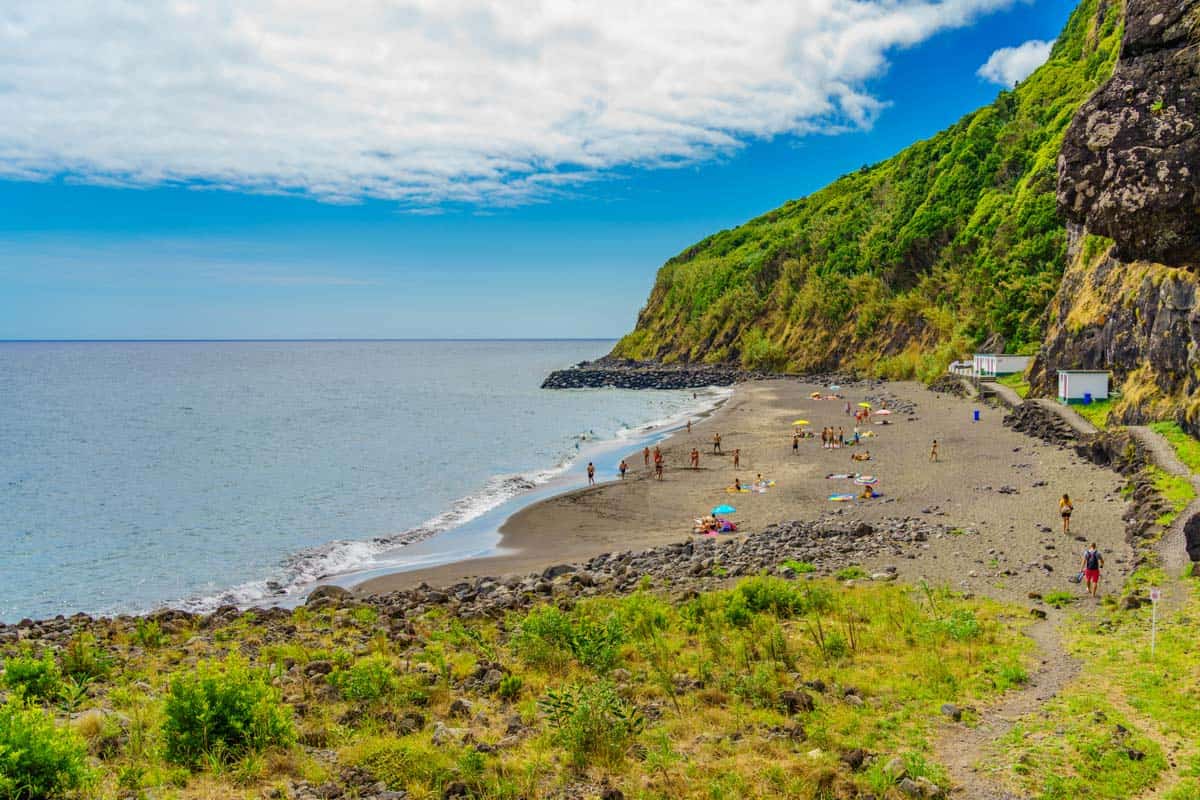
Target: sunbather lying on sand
863,456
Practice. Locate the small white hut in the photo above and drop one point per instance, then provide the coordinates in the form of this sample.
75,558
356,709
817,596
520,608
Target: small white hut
990,365
1082,385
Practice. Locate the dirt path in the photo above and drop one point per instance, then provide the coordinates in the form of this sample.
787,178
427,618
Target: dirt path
961,747
1172,548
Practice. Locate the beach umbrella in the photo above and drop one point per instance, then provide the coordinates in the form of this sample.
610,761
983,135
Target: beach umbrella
801,422
726,509
866,480
883,412
815,395
864,405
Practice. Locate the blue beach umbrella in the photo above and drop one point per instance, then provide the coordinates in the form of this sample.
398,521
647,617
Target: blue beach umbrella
723,510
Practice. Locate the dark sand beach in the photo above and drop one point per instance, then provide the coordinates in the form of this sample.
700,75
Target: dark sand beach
998,488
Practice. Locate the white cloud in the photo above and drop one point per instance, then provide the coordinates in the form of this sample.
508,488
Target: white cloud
427,101
1008,65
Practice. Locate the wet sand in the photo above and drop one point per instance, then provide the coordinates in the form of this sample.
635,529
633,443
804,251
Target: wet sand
1001,550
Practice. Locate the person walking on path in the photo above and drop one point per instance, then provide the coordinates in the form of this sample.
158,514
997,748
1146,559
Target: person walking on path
1065,507
646,455
933,451
1092,563
716,443
591,474
737,457
622,468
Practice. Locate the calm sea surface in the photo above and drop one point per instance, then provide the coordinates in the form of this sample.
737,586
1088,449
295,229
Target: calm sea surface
139,474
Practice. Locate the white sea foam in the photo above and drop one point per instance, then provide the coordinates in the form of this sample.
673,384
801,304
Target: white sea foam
304,569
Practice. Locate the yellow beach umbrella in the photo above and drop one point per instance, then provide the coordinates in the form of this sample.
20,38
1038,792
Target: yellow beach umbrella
864,405
801,422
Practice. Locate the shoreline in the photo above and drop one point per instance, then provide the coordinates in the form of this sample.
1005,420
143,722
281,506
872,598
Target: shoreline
486,538
997,485
515,531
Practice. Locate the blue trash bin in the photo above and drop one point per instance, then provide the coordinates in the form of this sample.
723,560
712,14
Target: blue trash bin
976,415
1087,398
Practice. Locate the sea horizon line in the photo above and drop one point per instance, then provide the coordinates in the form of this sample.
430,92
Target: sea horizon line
317,339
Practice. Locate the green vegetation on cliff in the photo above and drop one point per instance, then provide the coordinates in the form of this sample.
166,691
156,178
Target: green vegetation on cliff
901,266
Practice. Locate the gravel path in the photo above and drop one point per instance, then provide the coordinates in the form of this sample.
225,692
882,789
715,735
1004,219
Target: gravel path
1172,548
960,747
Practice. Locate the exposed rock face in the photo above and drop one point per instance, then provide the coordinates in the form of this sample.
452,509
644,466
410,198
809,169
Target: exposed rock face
1130,171
1140,320
1130,163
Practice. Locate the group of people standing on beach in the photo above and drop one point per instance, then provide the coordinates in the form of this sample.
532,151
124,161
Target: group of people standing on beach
832,439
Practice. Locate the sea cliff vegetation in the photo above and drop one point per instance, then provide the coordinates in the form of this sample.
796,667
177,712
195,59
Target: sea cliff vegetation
901,266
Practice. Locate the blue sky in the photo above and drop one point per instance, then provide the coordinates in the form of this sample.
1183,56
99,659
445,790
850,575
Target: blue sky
183,235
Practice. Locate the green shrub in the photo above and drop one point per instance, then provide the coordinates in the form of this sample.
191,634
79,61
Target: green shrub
799,567
549,637
221,712
783,598
510,687
149,634
38,759
851,573
34,678
592,722
369,679
84,660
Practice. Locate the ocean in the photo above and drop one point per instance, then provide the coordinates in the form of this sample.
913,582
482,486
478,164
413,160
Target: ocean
135,475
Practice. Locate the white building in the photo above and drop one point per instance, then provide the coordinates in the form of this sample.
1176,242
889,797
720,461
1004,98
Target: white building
989,365
964,368
1082,385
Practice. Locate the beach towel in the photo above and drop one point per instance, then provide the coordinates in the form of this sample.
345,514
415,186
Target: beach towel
833,476
841,498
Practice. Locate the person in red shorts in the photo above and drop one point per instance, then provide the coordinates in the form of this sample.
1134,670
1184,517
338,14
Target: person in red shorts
1092,564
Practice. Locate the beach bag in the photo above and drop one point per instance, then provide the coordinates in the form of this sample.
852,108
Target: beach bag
1076,578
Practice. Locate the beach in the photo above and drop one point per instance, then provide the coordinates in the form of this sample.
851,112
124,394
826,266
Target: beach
995,489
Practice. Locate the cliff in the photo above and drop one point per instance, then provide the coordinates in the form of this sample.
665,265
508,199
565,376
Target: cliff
897,268
1129,184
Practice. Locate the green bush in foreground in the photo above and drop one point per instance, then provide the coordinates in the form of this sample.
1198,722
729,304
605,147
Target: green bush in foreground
33,678
38,760
221,712
592,722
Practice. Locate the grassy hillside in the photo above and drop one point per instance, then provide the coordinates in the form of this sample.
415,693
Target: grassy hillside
915,259
770,689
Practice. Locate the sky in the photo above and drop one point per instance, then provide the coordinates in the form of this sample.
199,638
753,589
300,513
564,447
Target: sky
440,168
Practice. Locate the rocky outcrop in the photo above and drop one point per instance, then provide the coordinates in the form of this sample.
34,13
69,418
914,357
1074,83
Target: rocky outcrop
1129,184
1142,321
1130,163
